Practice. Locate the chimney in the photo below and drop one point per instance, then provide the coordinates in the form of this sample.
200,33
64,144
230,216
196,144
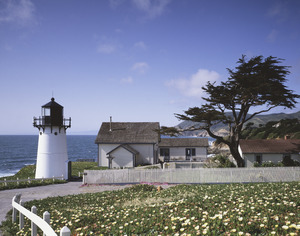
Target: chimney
286,137
110,125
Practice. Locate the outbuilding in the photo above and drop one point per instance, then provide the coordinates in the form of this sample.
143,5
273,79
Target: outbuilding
269,150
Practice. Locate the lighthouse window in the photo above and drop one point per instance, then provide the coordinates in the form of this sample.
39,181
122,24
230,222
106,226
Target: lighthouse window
46,111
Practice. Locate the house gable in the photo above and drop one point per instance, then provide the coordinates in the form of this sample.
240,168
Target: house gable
122,156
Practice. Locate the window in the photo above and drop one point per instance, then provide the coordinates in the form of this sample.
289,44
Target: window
258,158
46,111
189,152
287,160
165,152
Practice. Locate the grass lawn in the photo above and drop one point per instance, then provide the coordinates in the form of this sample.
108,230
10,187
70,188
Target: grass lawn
29,172
225,209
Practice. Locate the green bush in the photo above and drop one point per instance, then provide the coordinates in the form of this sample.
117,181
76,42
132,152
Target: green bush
222,161
81,166
25,173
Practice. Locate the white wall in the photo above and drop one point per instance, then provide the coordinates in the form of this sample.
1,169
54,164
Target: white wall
145,156
52,153
275,158
103,149
122,158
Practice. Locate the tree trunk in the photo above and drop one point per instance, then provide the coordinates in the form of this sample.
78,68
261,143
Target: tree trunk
236,155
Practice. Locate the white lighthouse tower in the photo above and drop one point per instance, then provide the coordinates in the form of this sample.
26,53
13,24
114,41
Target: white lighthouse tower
52,155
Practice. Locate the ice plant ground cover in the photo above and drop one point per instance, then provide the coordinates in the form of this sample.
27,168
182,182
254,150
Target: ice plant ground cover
225,209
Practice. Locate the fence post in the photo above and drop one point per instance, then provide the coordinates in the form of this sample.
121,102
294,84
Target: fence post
16,198
5,183
53,179
29,180
79,174
65,231
14,213
46,217
21,217
18,181
33,225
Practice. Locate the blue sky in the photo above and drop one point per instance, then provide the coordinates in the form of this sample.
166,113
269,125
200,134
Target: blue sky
134,60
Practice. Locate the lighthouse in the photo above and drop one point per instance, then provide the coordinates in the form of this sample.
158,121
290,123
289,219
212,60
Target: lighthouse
52,155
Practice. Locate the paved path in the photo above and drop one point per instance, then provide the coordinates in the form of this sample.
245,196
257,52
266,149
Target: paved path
29,194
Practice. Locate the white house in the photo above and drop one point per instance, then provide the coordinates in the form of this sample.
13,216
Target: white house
183,149
269,150
127,144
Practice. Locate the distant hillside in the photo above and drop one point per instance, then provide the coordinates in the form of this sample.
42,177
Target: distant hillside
221,129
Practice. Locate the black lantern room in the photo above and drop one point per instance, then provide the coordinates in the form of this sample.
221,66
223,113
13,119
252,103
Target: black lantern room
52,115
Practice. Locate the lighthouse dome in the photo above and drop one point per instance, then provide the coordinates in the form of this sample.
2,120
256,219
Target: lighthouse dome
52,113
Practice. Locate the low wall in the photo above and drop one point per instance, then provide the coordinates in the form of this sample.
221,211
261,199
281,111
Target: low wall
199,175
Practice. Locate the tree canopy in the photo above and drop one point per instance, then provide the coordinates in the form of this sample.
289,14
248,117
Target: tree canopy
257,82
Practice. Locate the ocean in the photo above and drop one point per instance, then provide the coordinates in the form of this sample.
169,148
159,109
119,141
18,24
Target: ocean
17,151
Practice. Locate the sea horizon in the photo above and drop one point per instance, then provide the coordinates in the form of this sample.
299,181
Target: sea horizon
17,151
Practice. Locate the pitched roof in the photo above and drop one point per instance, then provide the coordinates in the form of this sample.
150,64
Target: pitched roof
270,146
128,132
125,146
183,142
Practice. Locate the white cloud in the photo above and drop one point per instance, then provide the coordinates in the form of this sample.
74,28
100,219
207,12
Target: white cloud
140,67
278,11
152,8
140,45
272,36
128,80
115,3
192,86
106,48
20,12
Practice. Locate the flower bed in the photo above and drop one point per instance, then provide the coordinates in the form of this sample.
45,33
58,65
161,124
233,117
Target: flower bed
233,209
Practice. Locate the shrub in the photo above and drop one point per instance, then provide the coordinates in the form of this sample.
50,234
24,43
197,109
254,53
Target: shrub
222,161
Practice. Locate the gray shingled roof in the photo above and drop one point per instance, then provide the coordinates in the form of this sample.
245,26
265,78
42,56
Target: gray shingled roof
128,133
270,146
183,142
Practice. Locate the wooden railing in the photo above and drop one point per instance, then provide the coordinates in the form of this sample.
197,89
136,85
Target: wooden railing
36,221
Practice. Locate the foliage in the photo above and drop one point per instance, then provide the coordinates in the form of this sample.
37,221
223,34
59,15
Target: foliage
233,209
25,173
283,163
273,129
81,166
256,82
222,161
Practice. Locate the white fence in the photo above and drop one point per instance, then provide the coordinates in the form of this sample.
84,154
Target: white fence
200,175
5,181
43,224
